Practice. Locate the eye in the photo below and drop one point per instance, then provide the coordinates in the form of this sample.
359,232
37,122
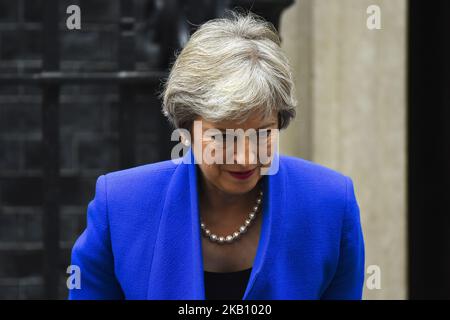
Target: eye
219,136
264,133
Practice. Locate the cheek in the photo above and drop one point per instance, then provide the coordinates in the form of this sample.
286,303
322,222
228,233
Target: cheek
211,172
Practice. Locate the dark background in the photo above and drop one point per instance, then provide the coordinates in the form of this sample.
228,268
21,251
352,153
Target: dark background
429,149
60,131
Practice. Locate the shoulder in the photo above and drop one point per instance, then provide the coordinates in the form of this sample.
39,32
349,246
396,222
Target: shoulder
320,201
153,171
314,177
322,193
144,181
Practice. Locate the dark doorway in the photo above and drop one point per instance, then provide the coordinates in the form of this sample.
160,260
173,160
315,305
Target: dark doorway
429,149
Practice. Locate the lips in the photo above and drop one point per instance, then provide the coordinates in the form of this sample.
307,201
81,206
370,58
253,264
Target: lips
242,175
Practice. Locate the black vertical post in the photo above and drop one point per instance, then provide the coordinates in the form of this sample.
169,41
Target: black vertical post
127,133
50,151
429,149
172,32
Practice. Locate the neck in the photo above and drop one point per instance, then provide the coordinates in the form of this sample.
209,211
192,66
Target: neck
220,204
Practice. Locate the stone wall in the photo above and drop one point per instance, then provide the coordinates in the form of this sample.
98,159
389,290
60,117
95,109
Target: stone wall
351,87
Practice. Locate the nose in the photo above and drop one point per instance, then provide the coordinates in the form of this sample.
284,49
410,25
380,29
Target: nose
248,154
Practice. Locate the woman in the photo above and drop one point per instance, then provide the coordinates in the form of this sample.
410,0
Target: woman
242,228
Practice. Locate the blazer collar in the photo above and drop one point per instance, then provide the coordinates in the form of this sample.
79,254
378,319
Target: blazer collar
177,271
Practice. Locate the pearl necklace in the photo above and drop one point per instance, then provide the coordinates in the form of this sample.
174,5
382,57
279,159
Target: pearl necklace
237,234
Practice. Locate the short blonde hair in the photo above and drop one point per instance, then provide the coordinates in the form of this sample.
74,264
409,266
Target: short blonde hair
230,68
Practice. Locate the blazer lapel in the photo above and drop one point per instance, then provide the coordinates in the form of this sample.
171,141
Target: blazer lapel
177,268
259,287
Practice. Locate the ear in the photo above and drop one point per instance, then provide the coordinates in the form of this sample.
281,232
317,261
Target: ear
185,139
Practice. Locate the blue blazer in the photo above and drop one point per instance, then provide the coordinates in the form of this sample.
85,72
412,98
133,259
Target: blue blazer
143,237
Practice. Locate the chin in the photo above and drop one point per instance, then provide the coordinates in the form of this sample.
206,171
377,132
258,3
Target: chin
240,187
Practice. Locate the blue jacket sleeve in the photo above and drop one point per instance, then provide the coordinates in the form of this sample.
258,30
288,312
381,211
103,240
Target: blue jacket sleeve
92,253
348,280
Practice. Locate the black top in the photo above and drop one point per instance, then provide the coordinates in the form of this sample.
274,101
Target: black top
226,285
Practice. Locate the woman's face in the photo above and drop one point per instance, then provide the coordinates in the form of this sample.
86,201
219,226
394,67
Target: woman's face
239,170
